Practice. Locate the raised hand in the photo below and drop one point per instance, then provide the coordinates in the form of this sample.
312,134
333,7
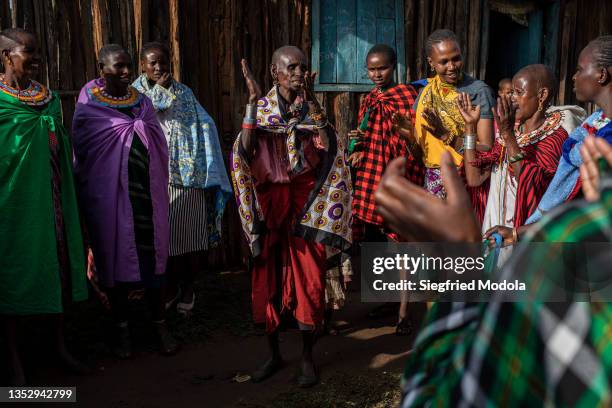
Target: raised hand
355,134
402,124
354,160
409,210
165,80
309,95
252,85
435,125
504,115
470,113
592,151
356,156
309,79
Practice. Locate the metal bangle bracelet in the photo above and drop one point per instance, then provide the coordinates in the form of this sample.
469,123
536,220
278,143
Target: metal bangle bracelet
469,146
469,142
251,110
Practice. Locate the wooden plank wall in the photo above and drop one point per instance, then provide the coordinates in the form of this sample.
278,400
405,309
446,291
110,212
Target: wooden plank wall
209,37
581,22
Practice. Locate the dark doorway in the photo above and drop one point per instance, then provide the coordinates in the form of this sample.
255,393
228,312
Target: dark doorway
529,38
512,45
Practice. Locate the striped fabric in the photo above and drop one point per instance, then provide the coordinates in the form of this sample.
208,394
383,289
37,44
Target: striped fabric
538,169
60,233
139,186
188,222
539,166
140,196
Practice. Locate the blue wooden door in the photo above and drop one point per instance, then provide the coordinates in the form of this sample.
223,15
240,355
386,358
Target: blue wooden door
343,33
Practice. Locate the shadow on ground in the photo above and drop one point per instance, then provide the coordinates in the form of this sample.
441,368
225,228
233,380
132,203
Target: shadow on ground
360,367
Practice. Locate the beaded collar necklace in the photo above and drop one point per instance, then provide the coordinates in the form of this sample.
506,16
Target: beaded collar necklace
132,98
550,125
35,95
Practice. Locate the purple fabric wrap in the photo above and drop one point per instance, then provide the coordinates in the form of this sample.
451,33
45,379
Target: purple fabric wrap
102,138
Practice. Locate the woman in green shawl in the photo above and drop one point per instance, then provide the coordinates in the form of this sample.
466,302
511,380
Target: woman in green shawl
42,262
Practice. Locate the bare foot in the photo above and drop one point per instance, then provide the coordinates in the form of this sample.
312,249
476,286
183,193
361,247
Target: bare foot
267,369
72,364
308,377
16,374
168,345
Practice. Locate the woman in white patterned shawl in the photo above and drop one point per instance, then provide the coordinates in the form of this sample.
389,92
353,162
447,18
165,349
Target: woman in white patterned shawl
199,186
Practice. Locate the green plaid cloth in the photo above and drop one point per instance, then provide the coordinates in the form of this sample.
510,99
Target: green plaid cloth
522,354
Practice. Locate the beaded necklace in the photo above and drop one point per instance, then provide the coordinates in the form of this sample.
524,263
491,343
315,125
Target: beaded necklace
36,94
550,125
132,98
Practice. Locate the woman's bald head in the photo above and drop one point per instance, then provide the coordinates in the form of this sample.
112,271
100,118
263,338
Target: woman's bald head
286,51
289,65
533,88
541,77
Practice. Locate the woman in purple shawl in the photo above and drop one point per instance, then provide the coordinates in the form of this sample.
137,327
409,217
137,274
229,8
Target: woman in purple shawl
121,172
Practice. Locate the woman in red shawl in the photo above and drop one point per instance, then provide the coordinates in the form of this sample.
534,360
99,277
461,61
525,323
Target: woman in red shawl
511,178
374,144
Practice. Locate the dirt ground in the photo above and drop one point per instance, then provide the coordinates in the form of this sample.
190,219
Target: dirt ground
360,367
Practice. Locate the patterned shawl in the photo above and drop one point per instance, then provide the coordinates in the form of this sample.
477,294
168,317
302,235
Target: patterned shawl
439,97
326,215
196,158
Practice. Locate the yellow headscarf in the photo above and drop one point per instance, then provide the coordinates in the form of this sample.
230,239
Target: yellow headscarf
439,97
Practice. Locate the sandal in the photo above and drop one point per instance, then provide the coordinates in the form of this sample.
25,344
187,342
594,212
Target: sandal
172,301
185,308
167,344
384,310
404,327
123,345
307,381
267,370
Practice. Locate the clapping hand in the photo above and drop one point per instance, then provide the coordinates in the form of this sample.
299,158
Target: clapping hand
592,151
470,113
165,80
402,124
355,158
309,79
252,85
435,125
418,215
504,115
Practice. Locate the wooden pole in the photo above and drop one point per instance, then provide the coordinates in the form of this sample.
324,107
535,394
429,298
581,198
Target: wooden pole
174,38
99,10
